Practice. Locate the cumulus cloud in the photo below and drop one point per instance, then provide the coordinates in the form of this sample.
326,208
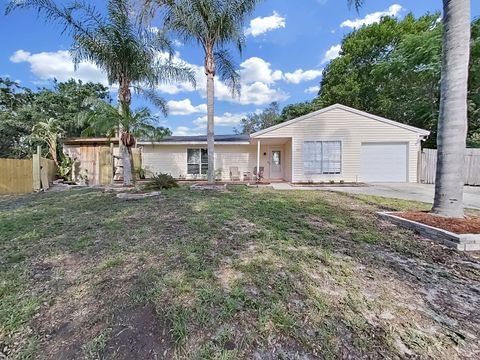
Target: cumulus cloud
372,18
256,69
312,90
332,53
257,80
188,131
227,119
300,75
58,65
185,107
261,25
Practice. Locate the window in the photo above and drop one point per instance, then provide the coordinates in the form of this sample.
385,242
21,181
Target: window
197,161
322,157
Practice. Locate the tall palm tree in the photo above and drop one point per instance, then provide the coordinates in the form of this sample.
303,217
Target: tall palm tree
452,121
213,24
131,54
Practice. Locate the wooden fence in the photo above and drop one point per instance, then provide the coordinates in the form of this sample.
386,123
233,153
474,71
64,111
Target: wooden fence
16,176
428,166
26,175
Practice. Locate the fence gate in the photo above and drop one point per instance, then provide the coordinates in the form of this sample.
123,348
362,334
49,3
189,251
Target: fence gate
428,166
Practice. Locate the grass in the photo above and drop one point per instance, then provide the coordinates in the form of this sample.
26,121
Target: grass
241,273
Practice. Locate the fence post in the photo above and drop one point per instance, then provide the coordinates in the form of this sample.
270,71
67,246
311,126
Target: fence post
36,171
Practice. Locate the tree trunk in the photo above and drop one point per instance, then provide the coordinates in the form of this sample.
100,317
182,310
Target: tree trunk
125,98
210,72
452,123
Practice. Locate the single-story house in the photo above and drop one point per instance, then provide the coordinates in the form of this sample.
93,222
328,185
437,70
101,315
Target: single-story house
335,143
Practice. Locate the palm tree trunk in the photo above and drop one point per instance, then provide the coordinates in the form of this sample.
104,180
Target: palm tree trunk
124,97
452,123
210,71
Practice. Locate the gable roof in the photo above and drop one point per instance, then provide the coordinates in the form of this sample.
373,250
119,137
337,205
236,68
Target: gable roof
198,139
345,108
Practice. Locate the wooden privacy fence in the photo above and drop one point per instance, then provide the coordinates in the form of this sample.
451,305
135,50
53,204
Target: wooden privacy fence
428,166
26,175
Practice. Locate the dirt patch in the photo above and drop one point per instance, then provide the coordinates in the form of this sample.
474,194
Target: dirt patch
467,225
139,333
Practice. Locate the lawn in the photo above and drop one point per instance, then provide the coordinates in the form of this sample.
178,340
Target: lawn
241,273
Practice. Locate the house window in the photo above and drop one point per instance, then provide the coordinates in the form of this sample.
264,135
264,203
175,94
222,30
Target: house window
197,161
322,157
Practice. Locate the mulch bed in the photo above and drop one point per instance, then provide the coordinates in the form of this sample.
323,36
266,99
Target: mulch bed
467,225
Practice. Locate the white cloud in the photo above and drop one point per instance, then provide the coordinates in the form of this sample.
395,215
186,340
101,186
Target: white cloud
177,43
256,69
185,107
257,80
261,25
58,65
393,10
187,131
300,75
312,90
332,53
227,119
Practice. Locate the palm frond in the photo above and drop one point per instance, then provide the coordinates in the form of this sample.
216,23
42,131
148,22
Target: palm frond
356,3
154,98
227,71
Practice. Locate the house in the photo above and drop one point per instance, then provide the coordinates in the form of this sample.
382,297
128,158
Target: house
335,143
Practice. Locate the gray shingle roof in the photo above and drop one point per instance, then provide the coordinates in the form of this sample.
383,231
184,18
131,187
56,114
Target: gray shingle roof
202,138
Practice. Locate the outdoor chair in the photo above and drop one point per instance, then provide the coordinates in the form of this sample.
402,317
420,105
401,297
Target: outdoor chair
259,176
234,173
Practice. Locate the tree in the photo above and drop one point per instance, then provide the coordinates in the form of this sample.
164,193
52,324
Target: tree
49,132
452,122
14,131
258,121
130,53
102,119
213,24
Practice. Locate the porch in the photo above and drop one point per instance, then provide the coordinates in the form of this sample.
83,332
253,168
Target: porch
274,157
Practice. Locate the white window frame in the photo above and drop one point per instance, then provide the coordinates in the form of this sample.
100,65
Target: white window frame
200,164
317,165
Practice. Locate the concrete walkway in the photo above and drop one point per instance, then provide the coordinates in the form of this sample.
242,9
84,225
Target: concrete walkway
406,191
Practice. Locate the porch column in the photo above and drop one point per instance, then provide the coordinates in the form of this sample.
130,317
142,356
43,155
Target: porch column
258,160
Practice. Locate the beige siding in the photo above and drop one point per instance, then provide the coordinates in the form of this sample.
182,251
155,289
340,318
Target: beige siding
172,159
350,128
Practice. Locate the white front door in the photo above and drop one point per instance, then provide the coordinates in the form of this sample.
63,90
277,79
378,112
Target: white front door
276,163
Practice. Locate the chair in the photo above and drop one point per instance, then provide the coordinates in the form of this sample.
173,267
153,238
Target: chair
260,173
234,173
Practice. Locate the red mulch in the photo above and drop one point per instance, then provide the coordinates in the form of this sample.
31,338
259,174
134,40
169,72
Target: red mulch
467,225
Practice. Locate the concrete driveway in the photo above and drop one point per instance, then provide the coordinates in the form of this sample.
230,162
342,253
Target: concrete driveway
406,191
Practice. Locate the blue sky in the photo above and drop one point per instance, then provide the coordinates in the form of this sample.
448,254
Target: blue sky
288,44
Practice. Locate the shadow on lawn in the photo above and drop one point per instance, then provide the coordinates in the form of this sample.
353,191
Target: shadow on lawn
238,274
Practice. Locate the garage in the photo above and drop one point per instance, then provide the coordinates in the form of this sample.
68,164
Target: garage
383,162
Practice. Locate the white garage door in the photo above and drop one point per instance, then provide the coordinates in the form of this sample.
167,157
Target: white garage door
383,162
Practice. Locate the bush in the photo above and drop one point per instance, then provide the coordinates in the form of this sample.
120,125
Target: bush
160,182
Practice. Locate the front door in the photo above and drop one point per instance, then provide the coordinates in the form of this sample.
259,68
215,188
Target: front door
276,163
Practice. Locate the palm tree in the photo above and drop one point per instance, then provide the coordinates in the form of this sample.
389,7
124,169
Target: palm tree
48,131
452,121
131,54
103,119
213,24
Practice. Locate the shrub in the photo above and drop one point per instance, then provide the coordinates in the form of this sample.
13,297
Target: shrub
160,182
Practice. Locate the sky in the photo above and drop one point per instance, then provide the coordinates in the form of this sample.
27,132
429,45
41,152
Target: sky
288,43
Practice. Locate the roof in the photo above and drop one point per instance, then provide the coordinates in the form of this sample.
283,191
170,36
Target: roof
198,139
90,141
345,108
